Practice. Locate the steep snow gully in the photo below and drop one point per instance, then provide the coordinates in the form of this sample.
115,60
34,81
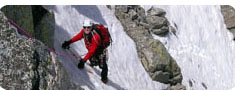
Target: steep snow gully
125,69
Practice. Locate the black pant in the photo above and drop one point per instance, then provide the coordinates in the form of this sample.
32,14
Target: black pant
99,58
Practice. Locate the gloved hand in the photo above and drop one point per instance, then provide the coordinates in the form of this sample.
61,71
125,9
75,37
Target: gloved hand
66,44
81,64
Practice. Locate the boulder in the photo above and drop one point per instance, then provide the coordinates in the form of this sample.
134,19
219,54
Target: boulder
159,25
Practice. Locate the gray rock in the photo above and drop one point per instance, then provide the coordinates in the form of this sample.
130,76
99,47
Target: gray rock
45,26
133,14
162,31
26,64
232,30
141,14
35,19
124,9
176,79
161,76
21,15
152,53
156,21
156,12
177,87
228,13
159,25
62,79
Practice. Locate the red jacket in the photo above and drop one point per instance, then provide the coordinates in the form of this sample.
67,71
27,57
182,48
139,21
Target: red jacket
92,47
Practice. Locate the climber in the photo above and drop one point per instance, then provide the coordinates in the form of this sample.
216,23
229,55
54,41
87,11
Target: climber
97,39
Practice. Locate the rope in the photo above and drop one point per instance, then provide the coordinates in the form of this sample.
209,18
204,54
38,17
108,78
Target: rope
31,37
20,29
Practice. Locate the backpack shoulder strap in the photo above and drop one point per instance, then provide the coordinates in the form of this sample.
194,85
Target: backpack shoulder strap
93,36
95,27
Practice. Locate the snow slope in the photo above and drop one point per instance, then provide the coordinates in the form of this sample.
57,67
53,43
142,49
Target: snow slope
125,69
203,48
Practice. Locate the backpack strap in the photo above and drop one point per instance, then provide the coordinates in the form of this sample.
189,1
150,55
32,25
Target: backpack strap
96,30
94,35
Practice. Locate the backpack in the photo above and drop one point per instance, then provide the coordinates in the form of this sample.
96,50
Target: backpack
104,34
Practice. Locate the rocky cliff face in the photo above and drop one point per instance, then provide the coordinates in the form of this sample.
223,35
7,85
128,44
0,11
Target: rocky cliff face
35,19
229,17
26,64
154,57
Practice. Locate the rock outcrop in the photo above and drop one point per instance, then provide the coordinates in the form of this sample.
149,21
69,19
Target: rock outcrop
26,64
35,19
228,13
158,24
154,57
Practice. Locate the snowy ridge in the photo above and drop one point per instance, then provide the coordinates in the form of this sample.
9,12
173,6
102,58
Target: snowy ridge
125,69
203,48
